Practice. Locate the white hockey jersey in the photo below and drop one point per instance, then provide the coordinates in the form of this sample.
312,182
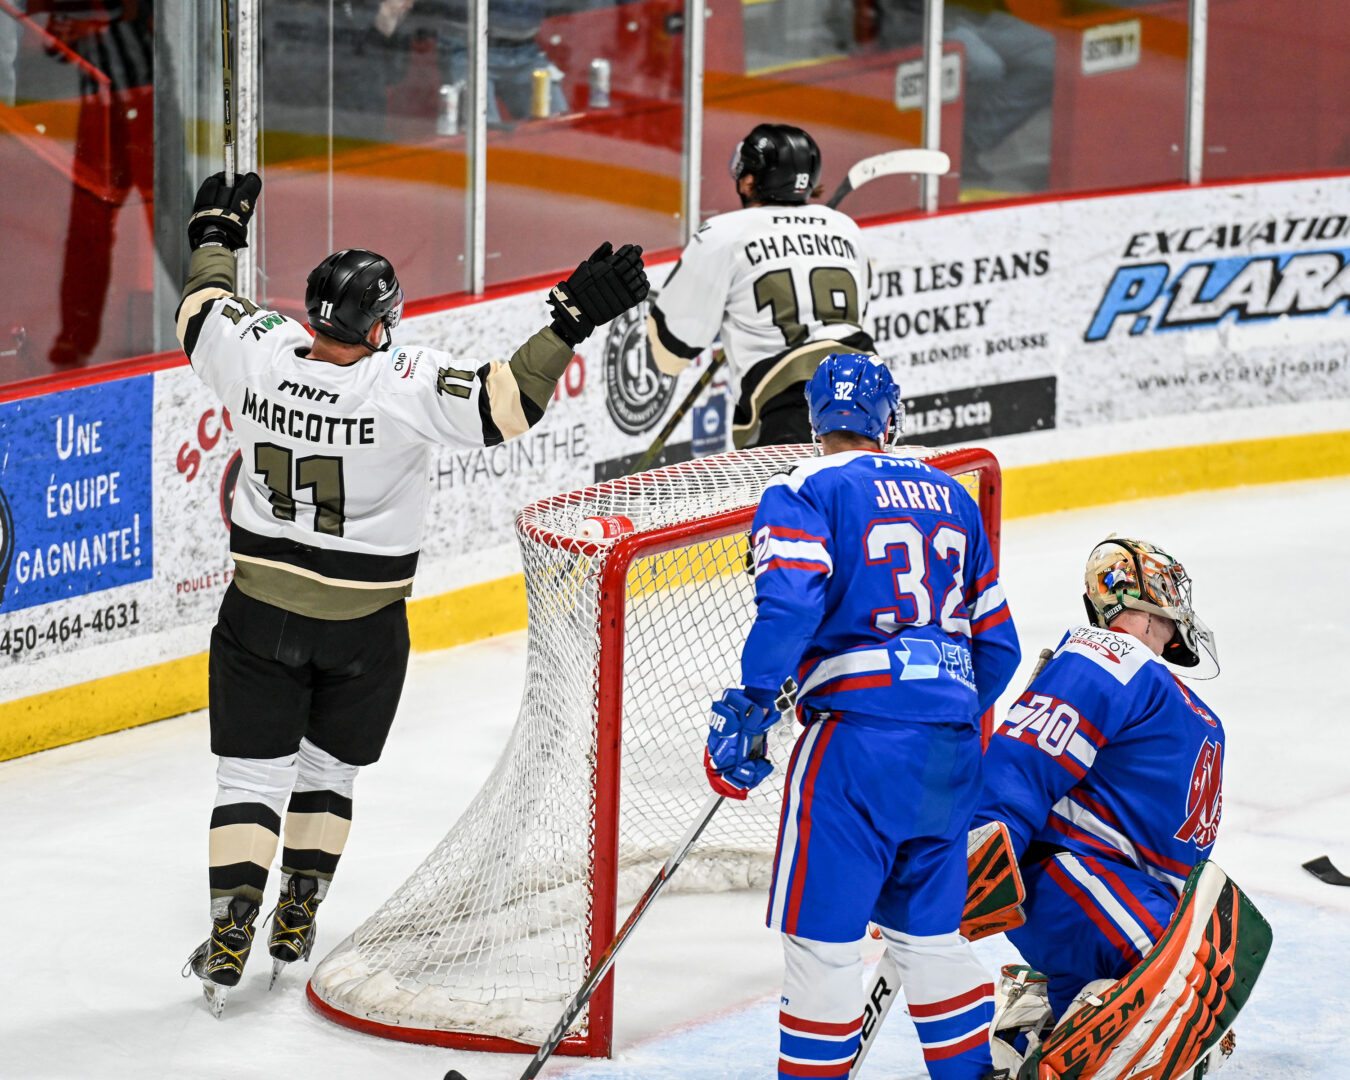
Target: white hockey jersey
330,504
785,286
771,278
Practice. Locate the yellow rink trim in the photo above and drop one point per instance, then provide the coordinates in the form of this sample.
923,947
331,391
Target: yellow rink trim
1148,474
496,607
118,702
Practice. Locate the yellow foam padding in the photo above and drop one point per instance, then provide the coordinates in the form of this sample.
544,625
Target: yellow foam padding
1148,474
102,706
117,702
469,614
496,607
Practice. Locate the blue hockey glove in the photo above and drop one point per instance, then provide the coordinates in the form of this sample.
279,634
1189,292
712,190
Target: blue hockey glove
734,760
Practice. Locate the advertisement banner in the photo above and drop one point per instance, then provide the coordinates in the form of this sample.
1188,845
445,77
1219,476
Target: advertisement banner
76,510
1138,307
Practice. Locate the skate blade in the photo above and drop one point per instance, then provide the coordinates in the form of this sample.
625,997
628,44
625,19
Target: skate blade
278,966
215,995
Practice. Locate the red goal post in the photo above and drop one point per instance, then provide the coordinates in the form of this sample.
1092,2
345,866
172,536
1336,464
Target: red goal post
628,640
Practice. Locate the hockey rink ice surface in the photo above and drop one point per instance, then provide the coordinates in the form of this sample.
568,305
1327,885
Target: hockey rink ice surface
103,844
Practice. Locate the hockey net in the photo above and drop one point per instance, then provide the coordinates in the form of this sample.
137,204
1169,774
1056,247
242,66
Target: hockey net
628,641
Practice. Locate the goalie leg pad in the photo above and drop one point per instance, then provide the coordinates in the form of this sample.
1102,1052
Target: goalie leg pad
1176,1007
1088,919
821,1014
994,889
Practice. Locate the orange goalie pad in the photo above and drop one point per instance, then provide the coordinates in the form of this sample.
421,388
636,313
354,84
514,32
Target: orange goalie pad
994,891
1161,1019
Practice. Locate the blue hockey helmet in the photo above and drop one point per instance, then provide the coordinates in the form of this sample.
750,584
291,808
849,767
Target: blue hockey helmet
855,392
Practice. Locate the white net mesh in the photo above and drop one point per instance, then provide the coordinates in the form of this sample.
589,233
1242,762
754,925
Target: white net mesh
491,934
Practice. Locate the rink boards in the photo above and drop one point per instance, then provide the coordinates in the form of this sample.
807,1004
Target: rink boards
1105,349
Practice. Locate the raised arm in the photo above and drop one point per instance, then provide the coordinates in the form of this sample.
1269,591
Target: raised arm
431,395
217,229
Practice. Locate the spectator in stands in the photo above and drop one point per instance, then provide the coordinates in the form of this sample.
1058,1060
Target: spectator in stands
1010,67
114,151
10,31
513,53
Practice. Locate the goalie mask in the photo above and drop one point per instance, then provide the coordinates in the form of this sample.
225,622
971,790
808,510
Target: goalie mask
1135,574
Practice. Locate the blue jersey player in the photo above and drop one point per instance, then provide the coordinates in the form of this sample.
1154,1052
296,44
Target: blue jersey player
877,593
1108,773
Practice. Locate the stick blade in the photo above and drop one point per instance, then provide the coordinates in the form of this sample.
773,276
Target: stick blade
1323,870
896,162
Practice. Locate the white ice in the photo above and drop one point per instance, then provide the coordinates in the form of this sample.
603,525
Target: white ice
103,844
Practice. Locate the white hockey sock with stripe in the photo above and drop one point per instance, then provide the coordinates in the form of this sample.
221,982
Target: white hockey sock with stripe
821,1010
951,1001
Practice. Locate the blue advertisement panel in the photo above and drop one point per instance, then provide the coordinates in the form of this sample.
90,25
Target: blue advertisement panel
76,504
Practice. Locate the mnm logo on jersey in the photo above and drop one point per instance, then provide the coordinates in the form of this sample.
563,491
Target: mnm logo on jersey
75,468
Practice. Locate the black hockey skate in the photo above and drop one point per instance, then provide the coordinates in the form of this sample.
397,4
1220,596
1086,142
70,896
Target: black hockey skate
293,923
219,960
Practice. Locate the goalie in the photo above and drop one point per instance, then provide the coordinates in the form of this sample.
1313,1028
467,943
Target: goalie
1108,775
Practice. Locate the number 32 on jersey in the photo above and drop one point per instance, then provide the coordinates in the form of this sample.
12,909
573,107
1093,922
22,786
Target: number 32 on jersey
908,549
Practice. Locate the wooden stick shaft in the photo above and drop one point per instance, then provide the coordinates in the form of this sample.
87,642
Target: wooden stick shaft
227,84
659,443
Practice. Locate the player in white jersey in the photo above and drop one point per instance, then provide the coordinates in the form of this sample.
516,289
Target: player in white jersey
784,282
309,653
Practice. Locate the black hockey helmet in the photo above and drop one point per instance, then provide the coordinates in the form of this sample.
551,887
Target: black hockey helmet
349,292
784,160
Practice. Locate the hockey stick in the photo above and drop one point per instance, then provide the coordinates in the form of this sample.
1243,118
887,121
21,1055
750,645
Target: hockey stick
891,163
659,443
227,84
1322,869
606,960
880,998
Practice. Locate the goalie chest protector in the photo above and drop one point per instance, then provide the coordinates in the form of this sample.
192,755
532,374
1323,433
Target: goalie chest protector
1107,753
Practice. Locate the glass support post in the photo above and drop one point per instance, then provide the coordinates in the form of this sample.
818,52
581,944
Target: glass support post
248,104
691,164
1195,91
932,94
475,164
178,29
